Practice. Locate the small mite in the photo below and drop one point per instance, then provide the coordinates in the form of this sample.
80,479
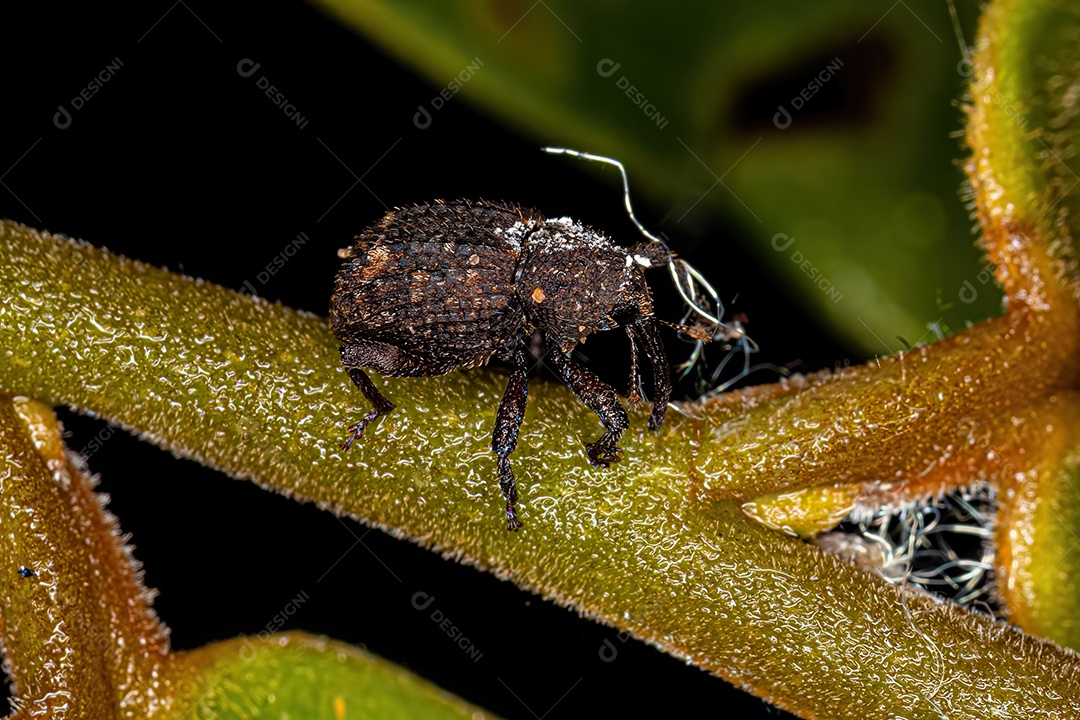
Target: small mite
433,288
26,572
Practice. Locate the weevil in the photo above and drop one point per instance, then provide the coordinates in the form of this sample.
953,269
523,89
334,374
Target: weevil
437,287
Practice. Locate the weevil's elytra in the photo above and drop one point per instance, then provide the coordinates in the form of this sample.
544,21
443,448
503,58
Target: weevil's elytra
433,288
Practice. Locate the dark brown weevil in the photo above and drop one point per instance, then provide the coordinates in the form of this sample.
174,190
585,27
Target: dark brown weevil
433,288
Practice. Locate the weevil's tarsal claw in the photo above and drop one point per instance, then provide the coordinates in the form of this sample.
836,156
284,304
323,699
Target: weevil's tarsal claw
512,522
354,434
603,452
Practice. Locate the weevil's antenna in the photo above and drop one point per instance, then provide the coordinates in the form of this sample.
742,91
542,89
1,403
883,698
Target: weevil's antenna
687,286
693,288
625,182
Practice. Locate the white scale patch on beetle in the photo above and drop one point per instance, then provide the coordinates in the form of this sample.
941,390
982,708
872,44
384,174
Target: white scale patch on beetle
516,233
568,234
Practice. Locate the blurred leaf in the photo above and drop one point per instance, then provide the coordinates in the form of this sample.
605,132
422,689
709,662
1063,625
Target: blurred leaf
297,675
823,131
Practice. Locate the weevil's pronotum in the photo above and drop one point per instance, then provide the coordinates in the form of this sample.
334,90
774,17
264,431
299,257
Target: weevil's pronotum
433,288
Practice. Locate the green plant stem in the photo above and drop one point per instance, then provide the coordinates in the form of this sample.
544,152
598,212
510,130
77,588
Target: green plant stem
81,641
75,623
256,390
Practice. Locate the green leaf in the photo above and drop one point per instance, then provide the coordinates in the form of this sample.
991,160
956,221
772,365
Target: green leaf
302,676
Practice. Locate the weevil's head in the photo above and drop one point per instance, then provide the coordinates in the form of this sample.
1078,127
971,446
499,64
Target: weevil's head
633,302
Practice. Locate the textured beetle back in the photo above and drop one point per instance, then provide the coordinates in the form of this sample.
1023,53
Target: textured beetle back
430,279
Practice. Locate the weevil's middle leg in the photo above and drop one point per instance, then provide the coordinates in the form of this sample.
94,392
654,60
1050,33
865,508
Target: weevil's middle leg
507,424
648,335
602,399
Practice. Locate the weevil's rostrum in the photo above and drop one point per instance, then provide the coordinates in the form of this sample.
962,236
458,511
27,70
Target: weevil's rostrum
433,288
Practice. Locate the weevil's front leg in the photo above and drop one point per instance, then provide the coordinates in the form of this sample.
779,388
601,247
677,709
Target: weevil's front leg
507,424
602,399
633,390
647,333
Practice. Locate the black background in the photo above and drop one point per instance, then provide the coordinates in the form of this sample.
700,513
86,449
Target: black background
181,162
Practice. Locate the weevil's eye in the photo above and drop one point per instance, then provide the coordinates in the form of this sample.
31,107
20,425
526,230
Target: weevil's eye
625,315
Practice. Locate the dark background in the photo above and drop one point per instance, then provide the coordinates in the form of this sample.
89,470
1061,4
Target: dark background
181,162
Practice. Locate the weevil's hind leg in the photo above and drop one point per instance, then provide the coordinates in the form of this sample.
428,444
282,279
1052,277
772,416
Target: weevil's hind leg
507,424
379,404
648,334
602,399
353,355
